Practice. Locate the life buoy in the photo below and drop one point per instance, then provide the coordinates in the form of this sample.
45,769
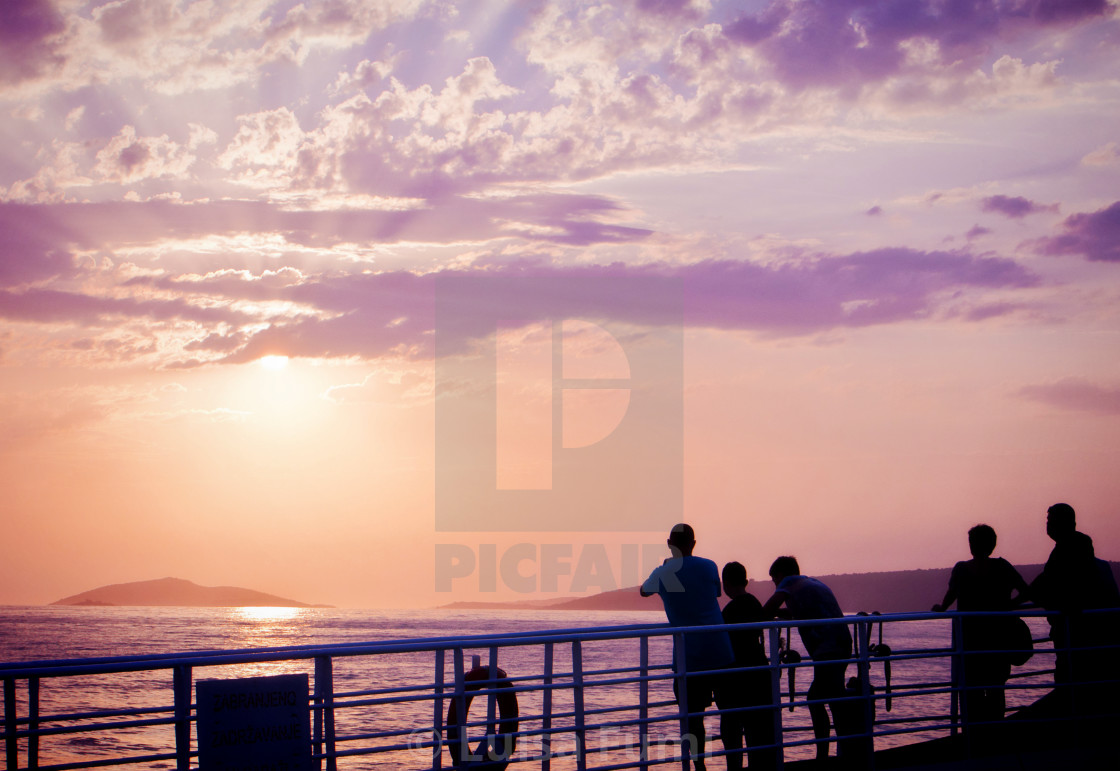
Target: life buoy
496,748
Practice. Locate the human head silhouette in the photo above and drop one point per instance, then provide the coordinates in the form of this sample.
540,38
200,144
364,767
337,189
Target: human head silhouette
734,576
982,541
1060,521
784,567
682,540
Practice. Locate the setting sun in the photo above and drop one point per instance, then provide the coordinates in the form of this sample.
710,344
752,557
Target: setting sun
274,363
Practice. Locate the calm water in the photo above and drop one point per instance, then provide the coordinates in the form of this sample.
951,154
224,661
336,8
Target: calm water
41,633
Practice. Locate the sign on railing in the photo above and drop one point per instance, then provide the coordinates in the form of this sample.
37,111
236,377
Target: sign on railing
254,723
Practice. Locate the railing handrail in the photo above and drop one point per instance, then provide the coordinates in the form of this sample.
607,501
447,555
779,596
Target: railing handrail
449,683
130,663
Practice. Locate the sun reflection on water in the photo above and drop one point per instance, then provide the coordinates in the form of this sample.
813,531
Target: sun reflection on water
266,613
265,627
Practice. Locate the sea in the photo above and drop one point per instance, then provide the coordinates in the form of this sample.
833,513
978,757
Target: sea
61,632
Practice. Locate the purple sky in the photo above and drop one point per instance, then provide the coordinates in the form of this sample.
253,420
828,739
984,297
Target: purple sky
893,227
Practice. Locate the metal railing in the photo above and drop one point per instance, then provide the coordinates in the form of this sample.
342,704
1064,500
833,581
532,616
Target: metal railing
597,698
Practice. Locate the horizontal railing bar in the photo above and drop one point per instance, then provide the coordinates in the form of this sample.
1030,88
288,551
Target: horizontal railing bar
62,668
611,715
95,715
84,729
109,762
288,652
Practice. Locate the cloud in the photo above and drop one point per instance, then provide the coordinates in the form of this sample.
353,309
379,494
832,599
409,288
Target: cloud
1016,208
393,386
35,246
392,314
124,159
855,42
365,75
581,92
1104,157
264,152
30,40
41,239
1093,235
128,158
176,48
686,9
48,305
237,315
1076,394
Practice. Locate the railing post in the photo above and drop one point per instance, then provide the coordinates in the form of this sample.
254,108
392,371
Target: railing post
492,701
10,723
317,724
683,707
1068,655
437,718
324,700
460,697
775,637
33,723
863,670
961,684
577,695
181,685
546,701
954,678
643,703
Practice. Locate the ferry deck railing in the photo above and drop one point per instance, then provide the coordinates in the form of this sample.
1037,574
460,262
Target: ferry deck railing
577,711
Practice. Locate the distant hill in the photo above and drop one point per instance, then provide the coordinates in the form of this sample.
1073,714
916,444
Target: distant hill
897,591
170,592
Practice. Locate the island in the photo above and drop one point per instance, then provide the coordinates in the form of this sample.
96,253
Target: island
178,592
900,591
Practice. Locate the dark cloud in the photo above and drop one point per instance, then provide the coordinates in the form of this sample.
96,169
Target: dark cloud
1015,207
992,310
669,8
38,239
861,289
845,43
36,244
216,342
874,211
28,39
1076,394
48,305
1094,235
131,21
976,231
393,313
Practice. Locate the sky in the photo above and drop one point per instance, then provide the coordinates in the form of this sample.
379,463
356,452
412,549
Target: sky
392,303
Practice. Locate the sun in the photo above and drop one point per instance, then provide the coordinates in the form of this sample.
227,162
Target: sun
274,363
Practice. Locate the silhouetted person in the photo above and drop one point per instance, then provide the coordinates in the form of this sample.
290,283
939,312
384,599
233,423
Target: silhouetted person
829,646
1073,581
984,583
746,689
689,588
